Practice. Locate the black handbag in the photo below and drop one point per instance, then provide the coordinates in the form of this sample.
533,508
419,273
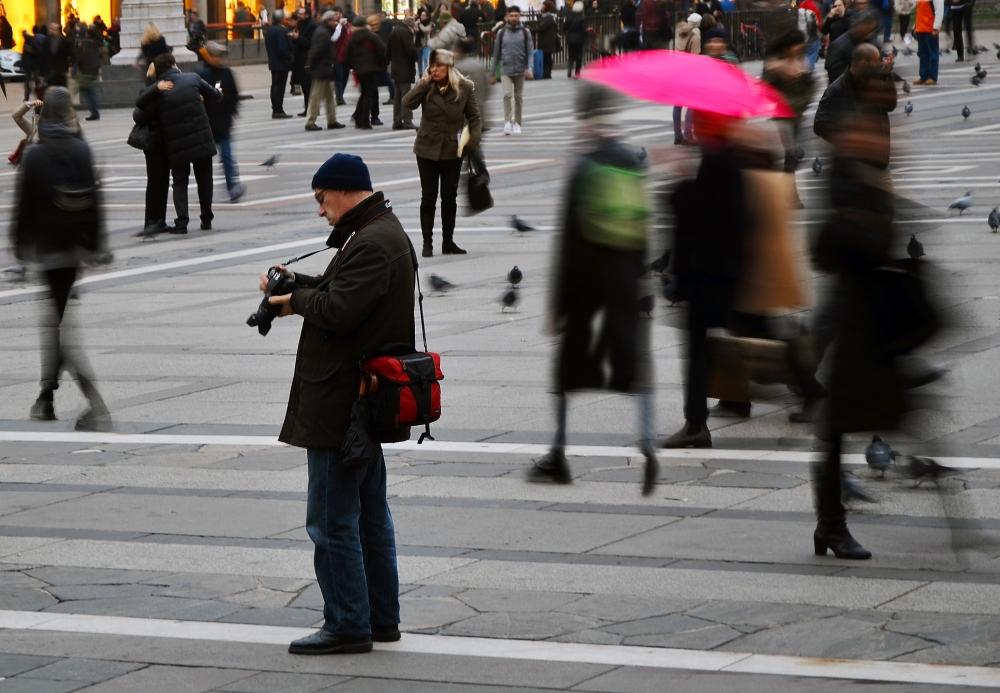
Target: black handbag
144,137
478,183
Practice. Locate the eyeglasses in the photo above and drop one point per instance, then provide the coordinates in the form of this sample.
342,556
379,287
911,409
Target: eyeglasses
319,196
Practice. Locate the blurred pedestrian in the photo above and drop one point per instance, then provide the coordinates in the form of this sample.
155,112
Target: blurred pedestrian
88,61
422,34
786,69
689,41
474,70
960,12
402,54
513,56
447,102
864,29
242,20
471,18
903,10
366,56
146,115
6,34
548,37
30,59
151,45
56,53
451,33
341,40
709,260
575,31
361,304
810,20
382,27
837,23
599,264
279,61
319,65
221,114
59,224
301,42
187,133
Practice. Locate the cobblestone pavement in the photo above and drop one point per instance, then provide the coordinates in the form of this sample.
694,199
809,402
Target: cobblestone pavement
176,559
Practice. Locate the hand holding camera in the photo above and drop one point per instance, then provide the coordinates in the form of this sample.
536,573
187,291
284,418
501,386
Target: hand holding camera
277,284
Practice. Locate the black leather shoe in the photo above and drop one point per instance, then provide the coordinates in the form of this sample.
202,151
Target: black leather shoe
206,226
313,127
42,410
341,102
428,250
449,248
336,126
551,468
362,127
323,642
376,121
840,542
278,116
153,229
385,633
301,115
177,230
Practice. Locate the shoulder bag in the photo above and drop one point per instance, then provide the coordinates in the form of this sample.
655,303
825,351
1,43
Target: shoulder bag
478,183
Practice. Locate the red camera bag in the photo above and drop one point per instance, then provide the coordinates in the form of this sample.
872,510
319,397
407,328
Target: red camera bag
403,389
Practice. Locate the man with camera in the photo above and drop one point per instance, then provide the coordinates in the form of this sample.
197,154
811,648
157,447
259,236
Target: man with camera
360,305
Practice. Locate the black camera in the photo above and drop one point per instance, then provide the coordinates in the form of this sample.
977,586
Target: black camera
278,284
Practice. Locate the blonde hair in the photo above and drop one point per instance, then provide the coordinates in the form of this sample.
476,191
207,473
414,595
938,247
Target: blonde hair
455,79
151,34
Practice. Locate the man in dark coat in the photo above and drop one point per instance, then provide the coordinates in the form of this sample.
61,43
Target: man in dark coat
58,223
599,263
56,54
187,134
402,53
279,62
319,65
221,113
710,254
362,303
366,56
302,41
470,18
864,29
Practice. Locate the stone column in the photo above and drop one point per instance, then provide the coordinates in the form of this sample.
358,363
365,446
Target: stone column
167,15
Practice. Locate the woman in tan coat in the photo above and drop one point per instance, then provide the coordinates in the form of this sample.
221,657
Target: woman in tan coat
447,101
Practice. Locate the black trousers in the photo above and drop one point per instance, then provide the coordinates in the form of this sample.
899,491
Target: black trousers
367,108
575,56
958,18
547,62
203,177
54,357
448,172
827,484
157,185
307,85
279,78
904,24
710,301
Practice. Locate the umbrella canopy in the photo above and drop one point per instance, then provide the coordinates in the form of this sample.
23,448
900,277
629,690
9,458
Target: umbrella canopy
694,81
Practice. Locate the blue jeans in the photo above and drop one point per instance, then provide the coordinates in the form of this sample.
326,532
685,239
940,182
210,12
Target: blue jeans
929,54
687,123
886,27
340,75
812,53
229,165
425,56
348,520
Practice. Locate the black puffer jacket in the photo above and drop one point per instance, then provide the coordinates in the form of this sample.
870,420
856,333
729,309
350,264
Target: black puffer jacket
320,57
362,303
221,114
365,53
187,132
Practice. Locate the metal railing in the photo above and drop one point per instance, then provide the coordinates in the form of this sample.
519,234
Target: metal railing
601,30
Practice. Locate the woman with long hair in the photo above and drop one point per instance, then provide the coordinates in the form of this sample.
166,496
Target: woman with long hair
447,101
151,45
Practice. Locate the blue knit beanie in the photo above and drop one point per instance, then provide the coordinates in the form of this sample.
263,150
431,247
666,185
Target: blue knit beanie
342,172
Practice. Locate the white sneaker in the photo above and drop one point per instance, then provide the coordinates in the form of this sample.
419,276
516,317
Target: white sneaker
517,129
506,128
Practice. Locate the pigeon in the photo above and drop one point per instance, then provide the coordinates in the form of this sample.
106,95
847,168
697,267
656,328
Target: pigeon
817,166
668,289
994,219
998,54
851,489
906,87
981,74
920,469
915,248
962,203
976,81
966,112
520,225
879,455
660,264
909,108
440,283
645,305
16,273
271,161
997,46
800,154
977,68
514,276
946,51
895,51
907,51
509,298
981,49
641,154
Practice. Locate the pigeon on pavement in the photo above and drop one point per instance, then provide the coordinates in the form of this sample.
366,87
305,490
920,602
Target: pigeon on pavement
914,248
922,469
668,289
981,74
976,81
661,263
16,273
271,161
817,166
994,219
520,225
645,304
879,455
440,283
851,489
514,276
641,154
509,298
966,112
962,203
908,108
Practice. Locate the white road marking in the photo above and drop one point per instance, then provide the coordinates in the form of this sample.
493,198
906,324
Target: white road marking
525,650
449,446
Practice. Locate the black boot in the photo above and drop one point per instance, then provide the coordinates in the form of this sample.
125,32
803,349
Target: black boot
428,250
449,248
552,467
651,472
838,539
42,409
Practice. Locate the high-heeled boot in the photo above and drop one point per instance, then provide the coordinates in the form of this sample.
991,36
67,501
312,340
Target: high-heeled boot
838,539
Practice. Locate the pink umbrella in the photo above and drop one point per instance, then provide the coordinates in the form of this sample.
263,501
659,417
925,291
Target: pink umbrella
693,81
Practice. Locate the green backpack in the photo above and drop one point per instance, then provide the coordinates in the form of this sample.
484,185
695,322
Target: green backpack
613,208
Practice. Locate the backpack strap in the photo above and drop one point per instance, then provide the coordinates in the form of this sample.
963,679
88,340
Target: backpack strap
423,328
